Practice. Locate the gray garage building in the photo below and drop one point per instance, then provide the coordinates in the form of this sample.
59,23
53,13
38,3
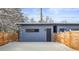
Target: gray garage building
42,32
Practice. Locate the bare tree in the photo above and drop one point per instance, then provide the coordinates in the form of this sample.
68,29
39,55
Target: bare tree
47,19
42,21
32,20
51,20
8,18
26,19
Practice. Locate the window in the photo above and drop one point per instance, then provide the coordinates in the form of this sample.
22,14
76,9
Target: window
63,29
32,30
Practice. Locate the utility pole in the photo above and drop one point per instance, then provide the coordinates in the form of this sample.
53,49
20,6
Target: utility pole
41,19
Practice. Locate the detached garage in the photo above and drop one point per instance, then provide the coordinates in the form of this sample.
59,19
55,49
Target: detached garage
35,32
43,32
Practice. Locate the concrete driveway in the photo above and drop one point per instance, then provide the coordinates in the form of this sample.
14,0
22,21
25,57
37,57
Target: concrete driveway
35,46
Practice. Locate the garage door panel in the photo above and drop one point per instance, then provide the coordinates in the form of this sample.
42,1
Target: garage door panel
34,36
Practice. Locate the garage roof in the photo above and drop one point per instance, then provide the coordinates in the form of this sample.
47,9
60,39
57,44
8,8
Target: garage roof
47,23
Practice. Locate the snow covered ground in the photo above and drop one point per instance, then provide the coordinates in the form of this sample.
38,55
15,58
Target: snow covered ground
35,46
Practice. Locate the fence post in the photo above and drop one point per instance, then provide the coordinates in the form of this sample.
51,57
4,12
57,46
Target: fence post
70,37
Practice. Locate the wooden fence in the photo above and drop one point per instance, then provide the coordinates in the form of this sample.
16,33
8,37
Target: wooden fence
6,37
70,39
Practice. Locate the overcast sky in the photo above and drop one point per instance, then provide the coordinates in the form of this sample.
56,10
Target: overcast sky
58,14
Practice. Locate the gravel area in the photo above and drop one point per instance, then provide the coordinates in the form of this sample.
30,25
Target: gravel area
35,46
